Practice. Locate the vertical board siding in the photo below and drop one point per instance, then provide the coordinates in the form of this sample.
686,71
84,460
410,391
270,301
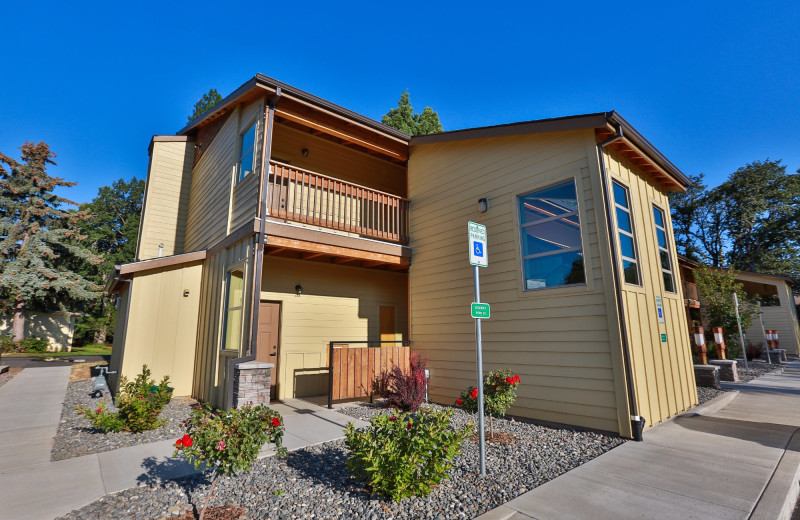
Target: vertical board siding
557,339
663,372
339,303
166,199
211,361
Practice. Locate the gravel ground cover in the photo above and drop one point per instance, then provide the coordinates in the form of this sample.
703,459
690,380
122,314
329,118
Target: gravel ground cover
313,483
757,367
76,436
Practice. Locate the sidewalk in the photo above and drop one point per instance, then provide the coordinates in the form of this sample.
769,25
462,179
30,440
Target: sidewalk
736,457
32,487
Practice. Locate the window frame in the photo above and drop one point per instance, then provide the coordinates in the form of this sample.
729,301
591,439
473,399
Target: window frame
522,226
240,267
631,234
671,270
242,152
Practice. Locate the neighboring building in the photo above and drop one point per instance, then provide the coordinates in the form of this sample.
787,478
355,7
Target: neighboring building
57,327
582,274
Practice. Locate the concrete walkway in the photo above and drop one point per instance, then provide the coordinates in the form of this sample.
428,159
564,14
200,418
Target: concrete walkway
736,457
32,487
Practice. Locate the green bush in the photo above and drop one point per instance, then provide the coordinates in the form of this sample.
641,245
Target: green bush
34,344
404,455
139,404
499,392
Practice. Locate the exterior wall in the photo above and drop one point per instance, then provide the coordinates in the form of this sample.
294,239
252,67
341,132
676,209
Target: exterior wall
211,361
56,327
334,160
120,326
160,326
244,200
782,318
166,200
338,303
663,371
563,341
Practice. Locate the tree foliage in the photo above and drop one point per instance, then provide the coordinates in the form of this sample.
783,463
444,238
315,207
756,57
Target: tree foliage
204,104
41,247
716,287
404,119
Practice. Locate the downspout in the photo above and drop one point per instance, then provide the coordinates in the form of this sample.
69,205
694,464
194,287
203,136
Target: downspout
637,422
258,245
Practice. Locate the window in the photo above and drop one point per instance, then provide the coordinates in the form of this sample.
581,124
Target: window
552,253
247,146
627,244
234,307
663,249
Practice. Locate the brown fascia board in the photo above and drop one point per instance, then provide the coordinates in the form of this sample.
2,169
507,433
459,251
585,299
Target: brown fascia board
695,265
271,84
159,263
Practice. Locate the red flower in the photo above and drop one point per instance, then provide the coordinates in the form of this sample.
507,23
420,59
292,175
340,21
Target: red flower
99,410
516,380
474,394
408,426
179,443
392,418
458,402
275,422
509,381
187,441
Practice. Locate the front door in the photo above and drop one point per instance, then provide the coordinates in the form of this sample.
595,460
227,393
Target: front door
269,317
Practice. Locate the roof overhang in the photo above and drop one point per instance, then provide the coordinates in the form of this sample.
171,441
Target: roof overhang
124,274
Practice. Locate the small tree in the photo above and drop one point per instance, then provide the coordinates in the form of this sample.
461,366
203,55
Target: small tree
204,104
499,392
716,287
404,390
404,119
40,246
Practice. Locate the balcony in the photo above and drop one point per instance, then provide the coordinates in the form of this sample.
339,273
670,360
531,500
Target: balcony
306,197
690,295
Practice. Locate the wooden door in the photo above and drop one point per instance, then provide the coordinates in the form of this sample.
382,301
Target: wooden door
387,324
268,347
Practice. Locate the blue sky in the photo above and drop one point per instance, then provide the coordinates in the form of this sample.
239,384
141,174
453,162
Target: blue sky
713,85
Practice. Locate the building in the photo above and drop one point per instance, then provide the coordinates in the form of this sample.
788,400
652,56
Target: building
582,274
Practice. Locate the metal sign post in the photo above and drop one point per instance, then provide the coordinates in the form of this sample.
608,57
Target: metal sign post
741,336
764,332
478,258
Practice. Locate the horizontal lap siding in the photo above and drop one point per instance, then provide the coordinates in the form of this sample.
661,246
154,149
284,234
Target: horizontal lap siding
663,372
245,193
556,339
167,199
782,318
339,303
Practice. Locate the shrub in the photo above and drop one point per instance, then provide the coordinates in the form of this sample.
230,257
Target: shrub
139,404
34,344
404,390
754,351
499,393
7,344
404,455
228,442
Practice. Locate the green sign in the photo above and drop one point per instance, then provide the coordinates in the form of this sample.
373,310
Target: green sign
481,310
663,338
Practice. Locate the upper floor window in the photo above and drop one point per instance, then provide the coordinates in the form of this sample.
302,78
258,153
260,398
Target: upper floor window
627,242
234,307
247,145
663,249
552,251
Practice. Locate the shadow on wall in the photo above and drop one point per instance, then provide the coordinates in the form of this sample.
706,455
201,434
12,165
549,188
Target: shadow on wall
56,327
310,381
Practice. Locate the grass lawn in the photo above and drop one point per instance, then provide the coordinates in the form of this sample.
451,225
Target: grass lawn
87,350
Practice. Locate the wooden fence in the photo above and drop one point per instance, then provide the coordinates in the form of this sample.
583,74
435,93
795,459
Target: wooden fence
354,365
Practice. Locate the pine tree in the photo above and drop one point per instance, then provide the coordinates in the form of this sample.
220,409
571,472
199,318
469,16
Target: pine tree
39,243
204,104
404,119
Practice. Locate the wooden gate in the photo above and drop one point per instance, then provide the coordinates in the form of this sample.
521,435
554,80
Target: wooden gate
354,365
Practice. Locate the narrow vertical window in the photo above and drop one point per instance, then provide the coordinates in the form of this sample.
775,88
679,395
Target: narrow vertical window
247,145
234,306
663,249
627,243
552,252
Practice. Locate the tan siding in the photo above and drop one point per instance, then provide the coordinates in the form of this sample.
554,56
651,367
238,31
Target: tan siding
166,200
662,371
339,303
56,327
161,330
556,339
211,362
782,318
245,193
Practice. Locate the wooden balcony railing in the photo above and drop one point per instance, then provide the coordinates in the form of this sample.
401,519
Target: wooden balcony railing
311,198
690,291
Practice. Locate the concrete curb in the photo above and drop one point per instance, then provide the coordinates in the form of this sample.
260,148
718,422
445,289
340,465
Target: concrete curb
779,497
712,406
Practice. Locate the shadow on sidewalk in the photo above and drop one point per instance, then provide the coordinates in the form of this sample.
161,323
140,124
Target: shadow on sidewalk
178,471
767,434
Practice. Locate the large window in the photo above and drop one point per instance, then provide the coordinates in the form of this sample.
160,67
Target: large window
663,249
234,307
552,252
627,243
247,144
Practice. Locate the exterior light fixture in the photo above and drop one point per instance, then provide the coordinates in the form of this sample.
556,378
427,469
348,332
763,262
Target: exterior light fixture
304,151
298,289
719,340
700,341
483,205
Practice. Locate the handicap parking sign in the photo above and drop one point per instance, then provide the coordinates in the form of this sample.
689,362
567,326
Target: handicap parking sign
477,245
477,249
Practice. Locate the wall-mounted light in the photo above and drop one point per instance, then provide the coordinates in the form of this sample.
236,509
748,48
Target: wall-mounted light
719,339
304,151
160,250
483,205
185,293
298,290
700,341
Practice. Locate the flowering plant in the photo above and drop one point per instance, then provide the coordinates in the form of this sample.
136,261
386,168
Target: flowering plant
499,392
403,454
